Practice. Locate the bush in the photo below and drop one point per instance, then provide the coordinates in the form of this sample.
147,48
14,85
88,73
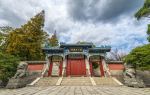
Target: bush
95,65
139,57
8,66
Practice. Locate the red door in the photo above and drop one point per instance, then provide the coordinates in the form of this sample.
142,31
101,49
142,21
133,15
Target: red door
76,67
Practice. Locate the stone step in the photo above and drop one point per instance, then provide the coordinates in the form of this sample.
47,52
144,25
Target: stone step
105,81
47,81
76,81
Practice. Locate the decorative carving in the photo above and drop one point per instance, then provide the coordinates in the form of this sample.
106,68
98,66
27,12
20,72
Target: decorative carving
20,79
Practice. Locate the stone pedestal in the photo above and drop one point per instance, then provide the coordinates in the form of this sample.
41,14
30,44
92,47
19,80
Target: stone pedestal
16,83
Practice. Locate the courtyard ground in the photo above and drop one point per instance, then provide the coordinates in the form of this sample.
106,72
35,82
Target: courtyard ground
76,90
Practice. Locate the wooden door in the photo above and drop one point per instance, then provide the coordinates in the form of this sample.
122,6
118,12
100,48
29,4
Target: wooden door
76,67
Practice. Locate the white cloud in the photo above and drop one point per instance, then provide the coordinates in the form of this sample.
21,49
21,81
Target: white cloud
123,33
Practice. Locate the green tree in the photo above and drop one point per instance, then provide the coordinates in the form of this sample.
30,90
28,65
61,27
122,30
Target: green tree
8,66
148,33
26,41
139,57
53,40
144,12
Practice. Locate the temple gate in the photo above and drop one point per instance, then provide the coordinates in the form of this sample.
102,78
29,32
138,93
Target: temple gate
76,60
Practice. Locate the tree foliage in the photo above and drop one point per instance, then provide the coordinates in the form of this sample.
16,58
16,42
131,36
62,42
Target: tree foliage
140,57
26,41
53,40
8,66
144,12
148,33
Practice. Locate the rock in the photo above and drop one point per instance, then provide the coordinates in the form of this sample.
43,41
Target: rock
134,82
0,83
17,83
20,79
131,80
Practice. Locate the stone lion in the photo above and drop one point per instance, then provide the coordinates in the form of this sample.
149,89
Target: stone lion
21,70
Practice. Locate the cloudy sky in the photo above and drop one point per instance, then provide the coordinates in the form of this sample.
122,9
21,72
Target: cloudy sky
109,22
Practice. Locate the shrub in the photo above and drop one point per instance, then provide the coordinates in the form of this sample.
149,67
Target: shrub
8,66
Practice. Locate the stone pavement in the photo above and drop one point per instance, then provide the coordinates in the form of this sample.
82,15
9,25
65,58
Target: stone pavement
76,90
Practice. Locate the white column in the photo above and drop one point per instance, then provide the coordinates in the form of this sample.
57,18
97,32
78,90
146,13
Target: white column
87,66
106,69
64,66
46,66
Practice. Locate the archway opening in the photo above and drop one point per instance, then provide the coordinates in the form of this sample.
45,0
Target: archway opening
96,66
55,68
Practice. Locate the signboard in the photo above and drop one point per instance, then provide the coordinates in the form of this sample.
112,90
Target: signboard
76,49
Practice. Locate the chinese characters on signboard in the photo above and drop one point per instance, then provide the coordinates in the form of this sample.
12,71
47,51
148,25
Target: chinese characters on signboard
76,49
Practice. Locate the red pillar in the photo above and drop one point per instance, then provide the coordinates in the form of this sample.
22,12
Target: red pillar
60,69
84,67
101,68
91,68
68,67
50,67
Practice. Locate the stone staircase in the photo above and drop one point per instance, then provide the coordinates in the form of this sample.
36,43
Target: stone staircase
47,81
76,81
105,81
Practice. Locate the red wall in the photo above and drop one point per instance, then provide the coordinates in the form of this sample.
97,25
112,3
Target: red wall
113,66
34,67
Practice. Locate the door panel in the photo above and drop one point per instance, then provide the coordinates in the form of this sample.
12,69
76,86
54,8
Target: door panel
76,67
